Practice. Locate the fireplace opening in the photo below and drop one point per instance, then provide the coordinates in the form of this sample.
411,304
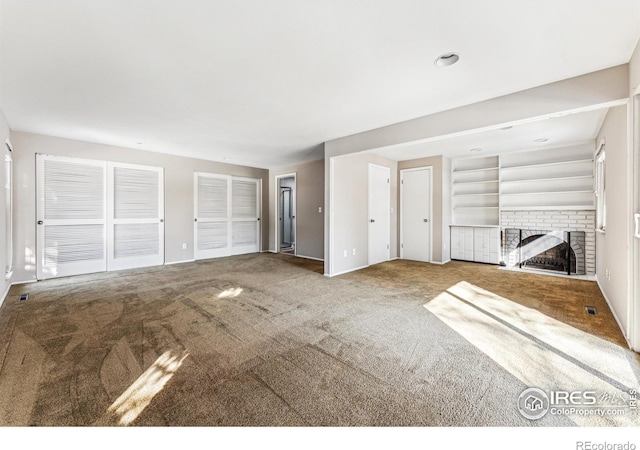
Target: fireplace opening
560,257
556,251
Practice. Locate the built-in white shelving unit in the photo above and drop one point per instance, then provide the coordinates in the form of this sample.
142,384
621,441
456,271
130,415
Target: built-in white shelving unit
550,179
547,179
475,190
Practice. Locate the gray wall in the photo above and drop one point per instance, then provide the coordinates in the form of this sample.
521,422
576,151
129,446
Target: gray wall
611,246
441,207
309,197
350,210
4,282
178,176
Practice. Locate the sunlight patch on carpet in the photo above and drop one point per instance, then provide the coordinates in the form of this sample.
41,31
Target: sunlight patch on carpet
230,293
540,351
138,396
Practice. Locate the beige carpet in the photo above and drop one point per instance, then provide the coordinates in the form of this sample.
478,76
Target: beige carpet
266,340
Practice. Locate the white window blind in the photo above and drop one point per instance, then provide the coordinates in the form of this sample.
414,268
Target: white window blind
226,215
136,216
244,199
73,190
212,198
212,235
71,215
136,193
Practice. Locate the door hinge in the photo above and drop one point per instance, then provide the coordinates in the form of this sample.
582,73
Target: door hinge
387,180
387,246
401,245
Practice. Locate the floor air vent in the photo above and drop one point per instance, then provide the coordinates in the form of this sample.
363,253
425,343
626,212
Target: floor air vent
23,297
591,310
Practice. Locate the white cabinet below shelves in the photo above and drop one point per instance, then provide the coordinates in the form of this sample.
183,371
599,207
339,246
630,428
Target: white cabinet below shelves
478,244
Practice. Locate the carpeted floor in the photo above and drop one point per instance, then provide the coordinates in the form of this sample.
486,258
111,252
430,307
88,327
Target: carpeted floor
266,340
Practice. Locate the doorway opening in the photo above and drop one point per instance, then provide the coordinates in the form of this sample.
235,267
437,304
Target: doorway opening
286,214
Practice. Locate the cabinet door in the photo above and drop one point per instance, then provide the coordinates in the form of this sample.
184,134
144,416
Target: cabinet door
468,243
478,244
494,246
455,243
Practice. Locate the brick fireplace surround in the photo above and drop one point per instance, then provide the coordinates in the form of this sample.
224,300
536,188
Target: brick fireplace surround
557,220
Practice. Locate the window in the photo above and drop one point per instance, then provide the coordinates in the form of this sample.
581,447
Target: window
8,189
601,206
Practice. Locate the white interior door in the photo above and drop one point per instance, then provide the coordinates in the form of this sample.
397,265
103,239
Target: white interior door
136,216
212,226
379,214
71,216
415,194
245,215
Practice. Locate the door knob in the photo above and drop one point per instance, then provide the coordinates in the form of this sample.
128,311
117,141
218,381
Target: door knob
425,220
40,222
372,220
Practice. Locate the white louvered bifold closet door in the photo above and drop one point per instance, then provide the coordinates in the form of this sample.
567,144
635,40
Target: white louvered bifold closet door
212,225
245,219
71,216
136,216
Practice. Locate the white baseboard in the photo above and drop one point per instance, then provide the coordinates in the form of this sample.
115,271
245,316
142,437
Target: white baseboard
309,257
179,262
10,285
6,292
442,263
345,271
615,316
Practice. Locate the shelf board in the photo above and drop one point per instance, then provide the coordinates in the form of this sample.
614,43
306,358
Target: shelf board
546,193
549,208
475,207
475,226
557,163
484,169
476,194
459,183
535,180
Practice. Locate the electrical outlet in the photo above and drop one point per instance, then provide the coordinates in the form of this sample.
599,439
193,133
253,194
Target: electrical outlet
354,252
345,253
319,209
184,246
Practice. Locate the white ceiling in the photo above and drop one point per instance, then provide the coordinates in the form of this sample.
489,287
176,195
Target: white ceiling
263,83
560,131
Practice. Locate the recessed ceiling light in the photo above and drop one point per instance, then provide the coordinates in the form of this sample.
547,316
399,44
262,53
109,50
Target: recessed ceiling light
477,149
139,143
541,140
226,158
447,59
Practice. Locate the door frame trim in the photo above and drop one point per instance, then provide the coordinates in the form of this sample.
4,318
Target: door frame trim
276,242
401,211
633,321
